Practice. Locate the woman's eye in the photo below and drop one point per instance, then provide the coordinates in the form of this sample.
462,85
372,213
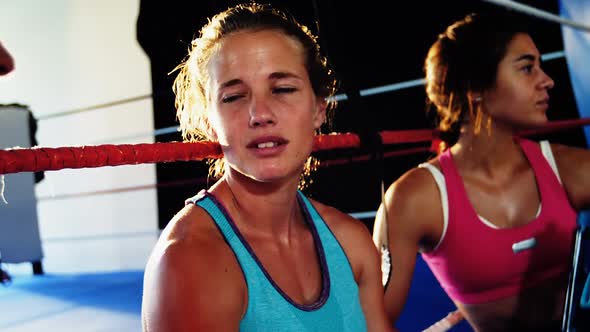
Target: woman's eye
527,68
283,90
230,98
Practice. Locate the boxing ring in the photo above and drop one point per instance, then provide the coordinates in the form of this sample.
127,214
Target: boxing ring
54,296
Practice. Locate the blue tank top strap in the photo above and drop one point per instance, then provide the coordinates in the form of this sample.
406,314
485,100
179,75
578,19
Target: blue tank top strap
229,231
218,214
343,286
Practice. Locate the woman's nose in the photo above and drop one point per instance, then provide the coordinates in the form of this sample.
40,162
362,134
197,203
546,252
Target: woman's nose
261,113
547,82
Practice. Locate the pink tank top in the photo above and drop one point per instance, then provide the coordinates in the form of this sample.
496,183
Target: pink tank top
476,263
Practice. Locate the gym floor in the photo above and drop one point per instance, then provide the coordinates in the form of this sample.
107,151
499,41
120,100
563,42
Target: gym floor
112,302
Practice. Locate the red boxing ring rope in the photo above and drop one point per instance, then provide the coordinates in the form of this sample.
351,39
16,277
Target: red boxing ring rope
36,159
17,160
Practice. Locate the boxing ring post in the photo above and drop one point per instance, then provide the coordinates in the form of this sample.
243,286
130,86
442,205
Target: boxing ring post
576,309
20,239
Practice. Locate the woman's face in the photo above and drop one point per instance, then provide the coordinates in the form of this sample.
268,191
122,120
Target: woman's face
264,112
519,97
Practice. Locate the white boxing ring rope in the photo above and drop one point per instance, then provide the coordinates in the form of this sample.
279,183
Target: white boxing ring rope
532,11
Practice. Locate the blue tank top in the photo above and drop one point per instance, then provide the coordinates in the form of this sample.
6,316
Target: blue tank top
269,308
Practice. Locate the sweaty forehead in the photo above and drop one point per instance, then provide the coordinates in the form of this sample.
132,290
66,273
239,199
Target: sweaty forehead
248,55
521,46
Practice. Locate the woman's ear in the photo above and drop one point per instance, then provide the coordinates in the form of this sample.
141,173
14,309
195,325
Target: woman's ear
319,116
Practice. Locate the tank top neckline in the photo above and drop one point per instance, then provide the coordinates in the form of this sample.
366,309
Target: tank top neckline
325,279
462,191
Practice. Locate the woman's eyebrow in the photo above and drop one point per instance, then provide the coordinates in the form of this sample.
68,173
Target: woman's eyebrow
529,57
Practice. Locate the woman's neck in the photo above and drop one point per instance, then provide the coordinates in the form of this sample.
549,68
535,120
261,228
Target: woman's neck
490,151
262,207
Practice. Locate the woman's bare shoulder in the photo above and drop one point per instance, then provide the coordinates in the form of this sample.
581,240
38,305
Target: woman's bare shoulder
190,236
412,207
336,219
415,188
192,269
